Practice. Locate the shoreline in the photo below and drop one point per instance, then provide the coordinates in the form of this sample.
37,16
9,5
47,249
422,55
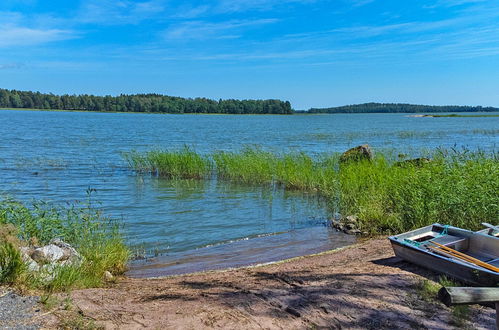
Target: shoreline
407,114
359,286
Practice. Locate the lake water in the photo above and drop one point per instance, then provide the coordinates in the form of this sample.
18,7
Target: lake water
184,226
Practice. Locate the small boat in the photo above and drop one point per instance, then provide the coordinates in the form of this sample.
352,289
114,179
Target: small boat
467,256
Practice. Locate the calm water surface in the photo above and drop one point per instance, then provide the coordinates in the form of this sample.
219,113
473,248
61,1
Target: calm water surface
186,226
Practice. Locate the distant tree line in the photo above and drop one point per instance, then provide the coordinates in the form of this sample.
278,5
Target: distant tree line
139,103
400,107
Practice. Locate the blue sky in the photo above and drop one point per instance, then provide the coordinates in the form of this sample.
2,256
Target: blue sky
314,53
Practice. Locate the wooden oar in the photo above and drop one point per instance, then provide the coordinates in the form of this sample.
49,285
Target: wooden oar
449,255
466,257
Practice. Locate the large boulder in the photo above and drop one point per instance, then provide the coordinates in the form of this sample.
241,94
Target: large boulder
359,153
47,254
70,255
57,252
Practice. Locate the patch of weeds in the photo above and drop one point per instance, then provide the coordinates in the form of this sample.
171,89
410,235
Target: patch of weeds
460,315
69,317
428,290
78,321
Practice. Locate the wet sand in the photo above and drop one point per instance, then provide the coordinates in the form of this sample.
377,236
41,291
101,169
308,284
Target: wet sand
359,287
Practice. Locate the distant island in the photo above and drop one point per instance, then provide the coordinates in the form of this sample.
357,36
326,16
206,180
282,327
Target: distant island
399,108
158,103
152,103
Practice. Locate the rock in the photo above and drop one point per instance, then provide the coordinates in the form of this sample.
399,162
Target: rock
108,277
26,252
48,254
353,232
353,219
417,162
362,152
70,254
350,226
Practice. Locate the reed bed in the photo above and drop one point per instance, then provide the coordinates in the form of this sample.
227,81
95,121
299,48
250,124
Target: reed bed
176,164
456,187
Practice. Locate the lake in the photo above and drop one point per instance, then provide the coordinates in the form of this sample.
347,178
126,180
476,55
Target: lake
184,225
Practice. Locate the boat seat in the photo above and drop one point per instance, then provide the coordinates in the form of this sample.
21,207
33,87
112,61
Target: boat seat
454,242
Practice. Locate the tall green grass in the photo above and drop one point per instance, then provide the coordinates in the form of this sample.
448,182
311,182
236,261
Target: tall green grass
457,187
97,238
176,164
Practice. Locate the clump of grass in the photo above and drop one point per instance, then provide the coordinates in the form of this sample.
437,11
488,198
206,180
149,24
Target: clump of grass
11,263
177,164
97,238
251,165
458,189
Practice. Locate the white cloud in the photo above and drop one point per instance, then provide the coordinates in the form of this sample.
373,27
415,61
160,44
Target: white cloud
11,66
453,3
228,6
23,36
118,12
205,30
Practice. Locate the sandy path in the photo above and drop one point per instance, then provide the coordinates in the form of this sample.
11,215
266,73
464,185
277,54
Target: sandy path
362,287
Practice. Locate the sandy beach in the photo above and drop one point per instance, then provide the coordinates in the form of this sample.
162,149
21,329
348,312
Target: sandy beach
359,287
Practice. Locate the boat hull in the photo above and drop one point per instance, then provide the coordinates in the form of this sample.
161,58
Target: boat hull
458,271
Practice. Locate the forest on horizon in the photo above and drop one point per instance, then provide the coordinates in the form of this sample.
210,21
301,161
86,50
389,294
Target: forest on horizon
158,103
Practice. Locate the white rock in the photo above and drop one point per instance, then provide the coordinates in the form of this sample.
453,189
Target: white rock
25,254
108,276
70,254
48,254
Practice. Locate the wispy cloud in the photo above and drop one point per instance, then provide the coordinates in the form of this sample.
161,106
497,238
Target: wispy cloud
229,6
189,12
119,12
453,3
22,36
211,30
11,66
360,3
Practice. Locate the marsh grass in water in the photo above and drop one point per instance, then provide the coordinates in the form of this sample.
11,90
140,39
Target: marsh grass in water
457,187
175,164
97,238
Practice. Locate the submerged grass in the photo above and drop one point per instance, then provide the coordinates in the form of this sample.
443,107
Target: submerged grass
97,239
456,187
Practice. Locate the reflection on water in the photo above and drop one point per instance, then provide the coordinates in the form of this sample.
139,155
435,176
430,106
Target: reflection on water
57,156
189,214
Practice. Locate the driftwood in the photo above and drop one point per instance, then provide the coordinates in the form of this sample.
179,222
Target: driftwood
470,295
